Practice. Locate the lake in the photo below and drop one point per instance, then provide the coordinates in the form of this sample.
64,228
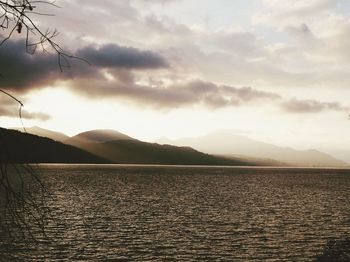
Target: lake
178,213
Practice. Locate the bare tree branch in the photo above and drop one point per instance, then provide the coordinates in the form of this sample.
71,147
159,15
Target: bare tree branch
17,16
22,195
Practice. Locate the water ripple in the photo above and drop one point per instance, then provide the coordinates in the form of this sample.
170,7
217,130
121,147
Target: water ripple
113,213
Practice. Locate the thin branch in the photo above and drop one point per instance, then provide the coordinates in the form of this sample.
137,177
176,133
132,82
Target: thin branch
14,98
17,15
23,205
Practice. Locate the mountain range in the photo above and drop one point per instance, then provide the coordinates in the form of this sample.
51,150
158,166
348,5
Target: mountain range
226,143
19,147
120,148
35,130
219,148
100,146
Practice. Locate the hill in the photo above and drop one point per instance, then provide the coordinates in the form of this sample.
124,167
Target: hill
138,152
228,144
100,146
97,136
35,130
18,147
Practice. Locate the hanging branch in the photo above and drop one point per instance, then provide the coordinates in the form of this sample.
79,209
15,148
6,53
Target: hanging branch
21,105
17,16
23,206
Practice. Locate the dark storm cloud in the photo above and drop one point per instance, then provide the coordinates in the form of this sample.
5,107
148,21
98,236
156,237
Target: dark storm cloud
112,55
19,70
22,71
311,106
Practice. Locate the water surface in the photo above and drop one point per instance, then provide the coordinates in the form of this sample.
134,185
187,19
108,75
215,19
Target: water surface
155,213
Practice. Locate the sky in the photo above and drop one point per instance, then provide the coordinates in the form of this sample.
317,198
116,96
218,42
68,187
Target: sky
276,71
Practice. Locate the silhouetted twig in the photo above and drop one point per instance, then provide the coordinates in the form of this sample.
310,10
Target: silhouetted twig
16,16
23,209
22,195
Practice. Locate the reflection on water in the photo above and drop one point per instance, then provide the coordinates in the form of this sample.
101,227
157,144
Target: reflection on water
135,213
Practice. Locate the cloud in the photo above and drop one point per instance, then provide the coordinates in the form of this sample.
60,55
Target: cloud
10,108
21,71
35,115
258,57
236,42
232,56
113,76
115,56
311,106
7,108
301,32
174,95
291,12
162,2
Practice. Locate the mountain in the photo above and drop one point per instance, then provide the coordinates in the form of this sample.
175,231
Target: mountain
35,130
101,146
229,144
97,136
259,161
138,152
19,147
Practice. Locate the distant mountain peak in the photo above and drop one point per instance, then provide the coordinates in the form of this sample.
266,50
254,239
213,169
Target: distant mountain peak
98,136
24,147
229,143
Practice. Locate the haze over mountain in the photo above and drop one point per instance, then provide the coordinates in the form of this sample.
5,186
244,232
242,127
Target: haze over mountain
97,136
223,147
35,130
138,152
228,144
105,146
121,148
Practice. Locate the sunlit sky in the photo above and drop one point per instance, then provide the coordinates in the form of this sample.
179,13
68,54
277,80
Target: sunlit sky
276,71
